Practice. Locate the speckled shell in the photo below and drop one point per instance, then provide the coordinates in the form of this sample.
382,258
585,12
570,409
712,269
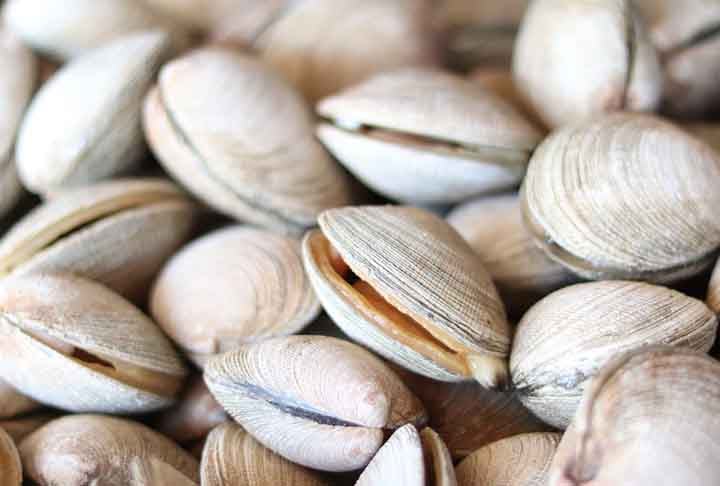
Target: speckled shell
521,460
315,400
14,403
568,336
92,449
10,465
240,138
625,196
73,344
552,69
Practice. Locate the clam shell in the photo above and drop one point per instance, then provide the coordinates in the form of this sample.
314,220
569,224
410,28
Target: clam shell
244,284
14,403
73,344
568,336
317,401
625,196
10,465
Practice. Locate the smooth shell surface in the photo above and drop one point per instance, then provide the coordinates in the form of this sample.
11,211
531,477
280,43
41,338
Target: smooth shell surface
14,403
10,465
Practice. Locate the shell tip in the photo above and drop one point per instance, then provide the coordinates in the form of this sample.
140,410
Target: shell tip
490,371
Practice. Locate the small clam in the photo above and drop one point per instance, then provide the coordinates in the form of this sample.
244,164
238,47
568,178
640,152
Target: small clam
73,344
569,335
625,196
14,403
243,284
427,137
318,401
402,282
240,138
10,465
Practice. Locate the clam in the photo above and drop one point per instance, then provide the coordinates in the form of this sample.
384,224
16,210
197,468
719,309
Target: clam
10,466
74,344
232,131
14,403
427,137
318,401
568,336
402,282
625,196
243,284
574,60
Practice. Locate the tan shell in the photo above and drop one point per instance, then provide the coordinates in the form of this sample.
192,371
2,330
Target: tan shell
10,465
14,403
20,427
92,449
649,418
73,344
521,460
625,196
315,400
84,123
568,336
411,459
713,297
246,147
243,284
523,273
402,282
574,60
427,137
231,456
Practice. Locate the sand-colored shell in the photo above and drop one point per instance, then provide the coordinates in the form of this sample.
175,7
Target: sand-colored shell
74,344
493,227
402,282
553,70
84,123
14,403
649,418
20,427
568,336
11,471
317,401
521,460
92,449
625,196
243,284
232,131
427,137
232,456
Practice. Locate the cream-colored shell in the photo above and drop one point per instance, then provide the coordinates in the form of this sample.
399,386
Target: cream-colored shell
243,284
317,401
14,403
10,465
92,449
625,196
568,336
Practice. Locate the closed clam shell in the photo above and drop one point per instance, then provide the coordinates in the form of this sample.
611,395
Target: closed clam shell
625,196
240,138
521,460
74,344
552,69
568,336
93,449
10,465
402,282
428,137
318,401
14,403
243,284
97,101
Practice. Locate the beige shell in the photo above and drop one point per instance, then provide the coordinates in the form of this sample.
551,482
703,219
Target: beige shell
523,273
410,458
568,336
20,427
73,344
649,418
243,284
231,456
427,137
521,460
402,282
92,449
204,15
574,60
10,466
318,401
84,123
625,196
13,403
241,139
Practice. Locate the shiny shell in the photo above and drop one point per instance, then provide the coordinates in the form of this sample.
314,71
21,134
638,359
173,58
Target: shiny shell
243,284
14,403
427,137
402,282
568,336
11,471
625,196
317,401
